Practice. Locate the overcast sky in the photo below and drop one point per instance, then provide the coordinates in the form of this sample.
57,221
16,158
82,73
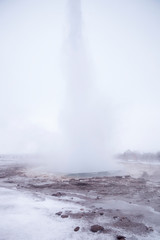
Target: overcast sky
122,43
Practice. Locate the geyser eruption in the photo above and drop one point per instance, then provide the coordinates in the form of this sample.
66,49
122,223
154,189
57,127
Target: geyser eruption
85,123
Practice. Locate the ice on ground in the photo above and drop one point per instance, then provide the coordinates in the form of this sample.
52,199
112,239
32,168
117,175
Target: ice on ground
23,217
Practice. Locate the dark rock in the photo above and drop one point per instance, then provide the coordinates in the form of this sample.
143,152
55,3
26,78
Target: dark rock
64,216
149,229
76,229
119,237
58,194
101,213
58,213
96,228
82,184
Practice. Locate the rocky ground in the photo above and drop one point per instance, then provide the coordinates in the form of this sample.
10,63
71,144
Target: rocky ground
110,207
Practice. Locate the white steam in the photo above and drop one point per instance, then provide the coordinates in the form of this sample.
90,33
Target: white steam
86,117
74,87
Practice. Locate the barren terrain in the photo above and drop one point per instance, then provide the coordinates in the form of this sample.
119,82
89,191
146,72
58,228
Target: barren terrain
106,207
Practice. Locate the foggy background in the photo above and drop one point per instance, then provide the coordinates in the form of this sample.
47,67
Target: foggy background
119,55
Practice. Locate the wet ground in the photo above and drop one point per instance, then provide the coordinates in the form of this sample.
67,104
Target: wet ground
123,207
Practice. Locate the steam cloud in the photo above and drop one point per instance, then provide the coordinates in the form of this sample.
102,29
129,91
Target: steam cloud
75,97
85,120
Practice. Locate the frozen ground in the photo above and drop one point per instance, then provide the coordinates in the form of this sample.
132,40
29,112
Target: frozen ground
39,205
23,216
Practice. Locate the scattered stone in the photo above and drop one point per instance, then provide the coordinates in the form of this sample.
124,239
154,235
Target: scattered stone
58,194
150,229
64,216
81,184
58,213
101,213
96,228
76,229
115,217
119,237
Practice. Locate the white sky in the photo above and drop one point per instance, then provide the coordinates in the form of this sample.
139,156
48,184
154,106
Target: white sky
122,40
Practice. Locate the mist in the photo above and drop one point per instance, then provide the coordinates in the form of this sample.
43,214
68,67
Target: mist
79,80
85,117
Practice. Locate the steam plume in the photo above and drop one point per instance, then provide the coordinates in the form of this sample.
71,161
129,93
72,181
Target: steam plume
85,121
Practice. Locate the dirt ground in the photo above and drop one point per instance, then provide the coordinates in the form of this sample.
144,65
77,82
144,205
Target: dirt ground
126,207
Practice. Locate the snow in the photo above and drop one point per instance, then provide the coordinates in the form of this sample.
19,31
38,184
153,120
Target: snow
24,217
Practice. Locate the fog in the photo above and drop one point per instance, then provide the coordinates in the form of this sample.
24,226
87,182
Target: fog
79,80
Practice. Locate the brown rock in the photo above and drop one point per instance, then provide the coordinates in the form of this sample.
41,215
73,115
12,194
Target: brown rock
96,228
119,237
58,213
64,216
58,194
150,229
101,213
76,229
